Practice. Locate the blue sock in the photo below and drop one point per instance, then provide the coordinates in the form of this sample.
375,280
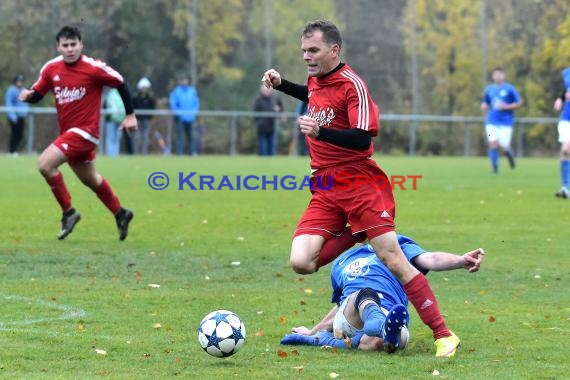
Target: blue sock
494,157
565,172
373,320
326,338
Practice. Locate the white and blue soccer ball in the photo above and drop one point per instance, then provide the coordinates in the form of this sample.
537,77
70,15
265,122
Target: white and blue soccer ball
221,333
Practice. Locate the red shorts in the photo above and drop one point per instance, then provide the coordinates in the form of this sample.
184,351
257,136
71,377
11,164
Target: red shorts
77,149
358,194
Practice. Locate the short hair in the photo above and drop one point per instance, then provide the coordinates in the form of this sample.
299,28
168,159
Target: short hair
68,32
498,68
331,34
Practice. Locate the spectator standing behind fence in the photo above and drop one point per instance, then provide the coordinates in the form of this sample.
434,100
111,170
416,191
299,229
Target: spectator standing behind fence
184,98
143,100
115,109
499,101
562,104
16,119
266,101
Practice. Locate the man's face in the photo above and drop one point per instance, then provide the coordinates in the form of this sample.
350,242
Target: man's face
498,76
70,48
320,57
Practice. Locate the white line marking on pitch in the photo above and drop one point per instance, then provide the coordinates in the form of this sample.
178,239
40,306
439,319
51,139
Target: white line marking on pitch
69,312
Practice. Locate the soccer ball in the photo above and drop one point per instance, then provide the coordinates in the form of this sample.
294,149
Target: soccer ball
221,333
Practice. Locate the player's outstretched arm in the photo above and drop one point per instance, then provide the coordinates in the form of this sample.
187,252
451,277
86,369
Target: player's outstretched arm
325,324
30,96
442,261
130,123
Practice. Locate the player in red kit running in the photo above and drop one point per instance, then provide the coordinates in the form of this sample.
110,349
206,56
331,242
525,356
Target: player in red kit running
342,118
77,82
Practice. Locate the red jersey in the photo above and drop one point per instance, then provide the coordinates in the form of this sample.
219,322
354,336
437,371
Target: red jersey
78,89
340,100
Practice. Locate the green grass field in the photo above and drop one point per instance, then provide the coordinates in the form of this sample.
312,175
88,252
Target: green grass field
63,300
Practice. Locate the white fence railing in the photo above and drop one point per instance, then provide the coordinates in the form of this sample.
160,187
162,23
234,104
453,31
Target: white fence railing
286,120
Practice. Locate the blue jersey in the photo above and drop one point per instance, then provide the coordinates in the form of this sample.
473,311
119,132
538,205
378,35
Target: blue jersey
504,93
360,268
565,114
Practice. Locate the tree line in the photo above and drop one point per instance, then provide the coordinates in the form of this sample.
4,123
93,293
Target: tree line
455,44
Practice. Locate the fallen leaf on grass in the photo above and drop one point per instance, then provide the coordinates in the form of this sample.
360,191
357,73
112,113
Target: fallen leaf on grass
492,319
295,352
99,351
309,291
282,320
299,369
282,354
156,325
146,356
81,325
138,276
259,333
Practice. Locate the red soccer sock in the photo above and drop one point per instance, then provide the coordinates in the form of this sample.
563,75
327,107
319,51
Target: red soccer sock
60,192
334,246
421,296
109,199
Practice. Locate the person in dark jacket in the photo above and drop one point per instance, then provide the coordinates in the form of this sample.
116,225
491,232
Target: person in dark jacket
144,100
266,101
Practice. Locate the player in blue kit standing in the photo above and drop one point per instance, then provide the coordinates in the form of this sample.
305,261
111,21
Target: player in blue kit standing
499,101
562,103
371,306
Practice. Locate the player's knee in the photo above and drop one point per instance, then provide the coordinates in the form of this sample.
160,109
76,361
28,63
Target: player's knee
302,266
565,152
45,168
366,294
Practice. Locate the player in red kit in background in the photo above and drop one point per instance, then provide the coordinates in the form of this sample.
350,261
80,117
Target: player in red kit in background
342,118
77,82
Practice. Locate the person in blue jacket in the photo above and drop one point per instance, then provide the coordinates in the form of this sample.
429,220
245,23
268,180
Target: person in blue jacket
185,104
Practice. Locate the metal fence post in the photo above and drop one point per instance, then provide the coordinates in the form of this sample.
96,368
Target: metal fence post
413,134
467,142
520,141
169,135
233,135
31,132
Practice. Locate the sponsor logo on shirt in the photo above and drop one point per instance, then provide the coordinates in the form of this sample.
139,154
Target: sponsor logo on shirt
67,95
324,117
359,267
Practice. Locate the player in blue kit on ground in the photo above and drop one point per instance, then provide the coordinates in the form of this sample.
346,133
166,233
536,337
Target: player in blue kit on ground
563,104
371,306
499,101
